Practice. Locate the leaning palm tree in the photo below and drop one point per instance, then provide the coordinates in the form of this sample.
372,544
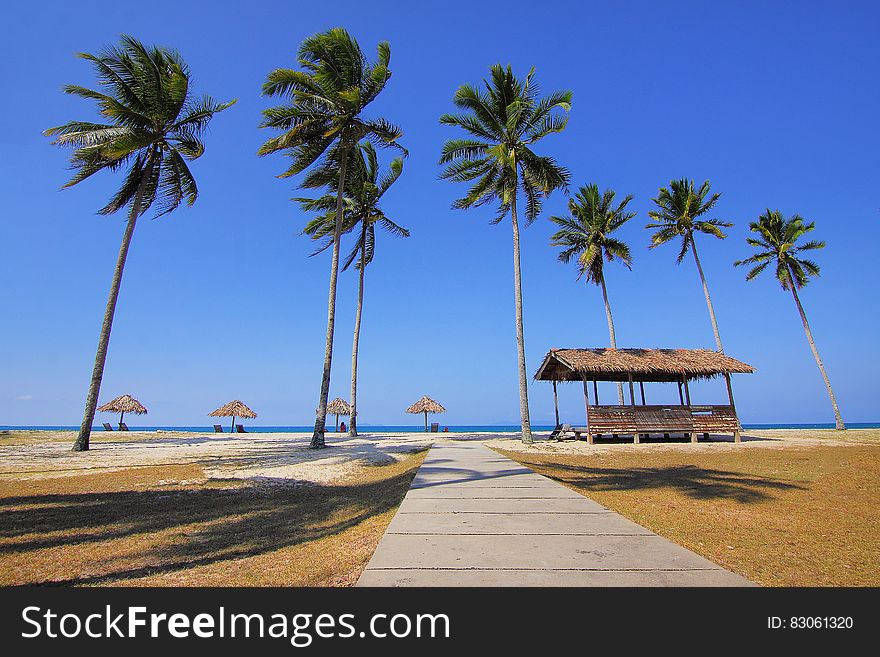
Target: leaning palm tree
152,126
777,243
587,235
504,121
679,208
322,123
365,187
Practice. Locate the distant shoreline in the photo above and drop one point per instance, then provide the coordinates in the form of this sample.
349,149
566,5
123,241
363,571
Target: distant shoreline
383,428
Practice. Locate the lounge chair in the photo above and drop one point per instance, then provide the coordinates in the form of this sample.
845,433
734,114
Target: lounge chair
218,428
107,427
559,432
240,428
123,426
435,427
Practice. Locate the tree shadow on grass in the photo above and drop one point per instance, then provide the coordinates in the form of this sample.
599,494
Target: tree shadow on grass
213,524
689,480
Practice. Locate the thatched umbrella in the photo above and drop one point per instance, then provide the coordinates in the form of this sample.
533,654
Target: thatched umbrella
233,409
426,405
122,405
339,407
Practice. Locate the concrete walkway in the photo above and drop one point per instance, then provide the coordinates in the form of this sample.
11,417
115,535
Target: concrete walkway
475,518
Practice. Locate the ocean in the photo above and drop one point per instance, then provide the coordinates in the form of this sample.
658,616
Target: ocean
382,428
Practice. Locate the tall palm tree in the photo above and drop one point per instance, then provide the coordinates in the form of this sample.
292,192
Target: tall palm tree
322,122
587,235
364,189
152,126
679,208
504,121
777,243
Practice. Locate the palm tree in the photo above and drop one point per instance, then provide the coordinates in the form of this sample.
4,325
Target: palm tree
322,122
364,188
153,126
587,235
678,213
504,121
777,243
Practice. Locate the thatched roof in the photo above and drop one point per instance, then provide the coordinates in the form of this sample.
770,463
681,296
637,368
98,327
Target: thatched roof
339,407
235,408
643,364
124,404
426,404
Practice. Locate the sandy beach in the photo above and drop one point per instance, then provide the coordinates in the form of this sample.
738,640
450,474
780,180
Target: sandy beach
286,457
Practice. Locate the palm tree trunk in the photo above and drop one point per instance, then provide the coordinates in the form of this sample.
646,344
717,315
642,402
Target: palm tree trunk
611,335
520,340
352,430
82,440
838,420
708,298
321,417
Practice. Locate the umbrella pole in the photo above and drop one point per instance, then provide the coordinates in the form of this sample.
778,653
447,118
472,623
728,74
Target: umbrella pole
337,423
232,428
426,420
121,415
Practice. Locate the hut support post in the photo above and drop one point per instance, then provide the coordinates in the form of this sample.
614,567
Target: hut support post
687,396
596,392
556,403
587,408
680,394
736,436
632,402
642,390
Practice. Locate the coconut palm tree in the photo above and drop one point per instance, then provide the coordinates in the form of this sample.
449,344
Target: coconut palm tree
152,126
587,235
679,208
777,244
364,189
505,120
322,124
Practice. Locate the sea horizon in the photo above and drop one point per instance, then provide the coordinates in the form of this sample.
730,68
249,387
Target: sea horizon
391,428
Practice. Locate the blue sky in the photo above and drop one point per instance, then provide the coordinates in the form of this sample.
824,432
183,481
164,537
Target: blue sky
775,103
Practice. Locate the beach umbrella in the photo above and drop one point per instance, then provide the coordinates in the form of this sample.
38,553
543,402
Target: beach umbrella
426,405
339,407
233,409
122,405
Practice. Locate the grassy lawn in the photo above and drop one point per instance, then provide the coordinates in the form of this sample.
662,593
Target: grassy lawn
171,526
780,517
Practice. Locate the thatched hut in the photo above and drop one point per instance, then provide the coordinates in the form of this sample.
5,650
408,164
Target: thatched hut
122,405
426,405
339,407
643,366
233,409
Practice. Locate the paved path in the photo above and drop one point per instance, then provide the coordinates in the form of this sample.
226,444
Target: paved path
475,518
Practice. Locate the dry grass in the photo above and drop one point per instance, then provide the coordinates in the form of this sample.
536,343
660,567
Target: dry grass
172,526
796,516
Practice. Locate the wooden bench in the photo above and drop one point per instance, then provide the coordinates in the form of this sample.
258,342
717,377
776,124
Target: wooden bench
645,420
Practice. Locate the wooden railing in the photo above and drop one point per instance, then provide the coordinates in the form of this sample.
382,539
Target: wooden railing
662,419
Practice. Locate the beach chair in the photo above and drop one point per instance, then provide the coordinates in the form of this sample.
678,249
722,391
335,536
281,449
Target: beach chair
218,428
123,426
239,428
559,432
107,427
435,427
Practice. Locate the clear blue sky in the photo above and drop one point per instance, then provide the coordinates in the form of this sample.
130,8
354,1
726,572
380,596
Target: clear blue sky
775,102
